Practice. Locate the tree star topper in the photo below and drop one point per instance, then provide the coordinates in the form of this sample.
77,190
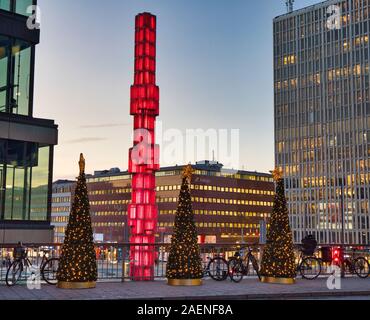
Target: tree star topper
188,172
82,163
277,174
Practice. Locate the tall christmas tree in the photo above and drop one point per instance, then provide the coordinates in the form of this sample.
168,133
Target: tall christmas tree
278,262
184,266
77,265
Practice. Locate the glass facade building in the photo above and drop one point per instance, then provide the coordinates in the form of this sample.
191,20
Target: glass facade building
26,143
322,119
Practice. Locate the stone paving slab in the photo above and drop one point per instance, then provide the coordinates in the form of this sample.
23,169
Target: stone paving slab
159,290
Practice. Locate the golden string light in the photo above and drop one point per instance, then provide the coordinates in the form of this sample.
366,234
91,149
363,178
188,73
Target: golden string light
277,174
184,260
77,265
278,260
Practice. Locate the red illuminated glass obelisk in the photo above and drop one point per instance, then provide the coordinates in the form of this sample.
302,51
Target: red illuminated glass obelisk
144,156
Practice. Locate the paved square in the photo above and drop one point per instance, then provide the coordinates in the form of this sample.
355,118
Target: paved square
247,289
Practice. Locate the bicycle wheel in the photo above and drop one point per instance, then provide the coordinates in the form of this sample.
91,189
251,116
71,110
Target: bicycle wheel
310,268
49,271
14,273
361,267
205,269
218,269
255,266
236,270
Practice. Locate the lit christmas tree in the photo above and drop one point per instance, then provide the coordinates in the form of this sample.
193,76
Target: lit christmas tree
278,262
184,266
77,265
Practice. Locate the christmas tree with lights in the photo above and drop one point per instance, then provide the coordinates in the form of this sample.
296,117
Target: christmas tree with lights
184,266
77,265
278,262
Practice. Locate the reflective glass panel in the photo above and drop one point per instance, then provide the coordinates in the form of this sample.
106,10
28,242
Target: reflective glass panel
8,208
40,183
2,189
4,60
21,57
5,5
18,194
25,169
15,58
22,5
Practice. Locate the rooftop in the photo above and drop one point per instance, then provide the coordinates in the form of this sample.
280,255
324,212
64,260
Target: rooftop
61,181
306,9
211,168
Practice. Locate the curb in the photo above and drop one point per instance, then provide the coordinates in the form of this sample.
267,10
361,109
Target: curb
280,296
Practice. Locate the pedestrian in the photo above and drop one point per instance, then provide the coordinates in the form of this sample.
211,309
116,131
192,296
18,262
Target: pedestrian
309,245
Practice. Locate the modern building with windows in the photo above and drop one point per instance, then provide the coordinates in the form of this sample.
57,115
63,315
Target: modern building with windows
26,143
322,119
61,205
229,206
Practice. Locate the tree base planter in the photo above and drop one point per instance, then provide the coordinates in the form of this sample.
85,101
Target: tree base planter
278,280
184,282
76,285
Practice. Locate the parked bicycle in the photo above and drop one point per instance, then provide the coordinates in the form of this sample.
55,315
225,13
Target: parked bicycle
217,268
239,265
48,267
309,266
359,266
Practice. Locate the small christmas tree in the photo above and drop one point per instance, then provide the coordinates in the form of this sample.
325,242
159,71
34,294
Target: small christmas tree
77,265
278,262
184,266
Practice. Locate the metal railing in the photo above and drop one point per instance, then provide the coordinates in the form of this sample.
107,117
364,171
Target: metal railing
113,260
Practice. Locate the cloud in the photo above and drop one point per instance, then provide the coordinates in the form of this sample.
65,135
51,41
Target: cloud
104,125
84,140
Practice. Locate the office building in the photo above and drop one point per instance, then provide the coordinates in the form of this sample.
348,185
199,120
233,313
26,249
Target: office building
229,206
322,119
26,143
61,205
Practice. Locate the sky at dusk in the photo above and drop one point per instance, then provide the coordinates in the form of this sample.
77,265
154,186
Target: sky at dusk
214,69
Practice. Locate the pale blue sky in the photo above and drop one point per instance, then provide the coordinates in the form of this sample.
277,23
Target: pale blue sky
214,70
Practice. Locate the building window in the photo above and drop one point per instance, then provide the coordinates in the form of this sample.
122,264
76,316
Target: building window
15,60
17,6
24,176
22,5
5,5
4,57
40,182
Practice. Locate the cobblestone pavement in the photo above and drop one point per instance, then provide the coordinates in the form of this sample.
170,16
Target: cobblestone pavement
247,289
